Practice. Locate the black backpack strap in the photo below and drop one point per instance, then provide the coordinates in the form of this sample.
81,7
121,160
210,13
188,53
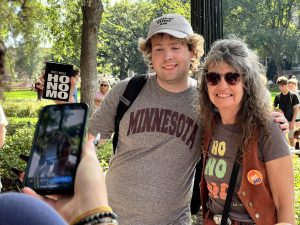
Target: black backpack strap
132,90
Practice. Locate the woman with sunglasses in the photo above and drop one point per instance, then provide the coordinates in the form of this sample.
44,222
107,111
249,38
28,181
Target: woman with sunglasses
102,92
239,132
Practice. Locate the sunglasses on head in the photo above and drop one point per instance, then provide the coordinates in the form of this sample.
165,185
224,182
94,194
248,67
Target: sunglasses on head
103,85
214,79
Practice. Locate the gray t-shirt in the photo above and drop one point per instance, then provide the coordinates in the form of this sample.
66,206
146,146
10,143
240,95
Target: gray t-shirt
150,177
221,156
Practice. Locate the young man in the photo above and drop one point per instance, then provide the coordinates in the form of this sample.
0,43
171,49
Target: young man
289,104
150,177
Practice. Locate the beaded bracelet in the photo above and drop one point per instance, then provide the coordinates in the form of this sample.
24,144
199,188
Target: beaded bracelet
100,209
108,218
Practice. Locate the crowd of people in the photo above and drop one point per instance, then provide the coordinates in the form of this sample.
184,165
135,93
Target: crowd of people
226,118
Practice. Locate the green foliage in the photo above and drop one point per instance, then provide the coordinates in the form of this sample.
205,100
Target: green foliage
296,161
23,21
267,26
24,109
172,6
104,153
122,25
64,21
18,141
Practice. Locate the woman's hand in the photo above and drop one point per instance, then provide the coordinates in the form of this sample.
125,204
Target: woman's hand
279,118
40,85
89,191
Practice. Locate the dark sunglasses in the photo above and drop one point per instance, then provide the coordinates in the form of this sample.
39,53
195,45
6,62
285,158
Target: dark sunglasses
103,85
214,78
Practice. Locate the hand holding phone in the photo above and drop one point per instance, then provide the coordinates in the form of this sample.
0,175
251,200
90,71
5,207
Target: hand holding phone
56,148
89,176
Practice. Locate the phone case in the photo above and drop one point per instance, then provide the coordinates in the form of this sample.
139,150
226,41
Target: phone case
56,148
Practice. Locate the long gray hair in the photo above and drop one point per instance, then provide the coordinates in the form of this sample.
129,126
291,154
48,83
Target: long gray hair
255,106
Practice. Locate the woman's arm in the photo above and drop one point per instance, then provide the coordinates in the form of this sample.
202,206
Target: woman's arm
281,178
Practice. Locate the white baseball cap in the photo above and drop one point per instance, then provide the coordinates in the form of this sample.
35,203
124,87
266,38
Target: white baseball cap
172,24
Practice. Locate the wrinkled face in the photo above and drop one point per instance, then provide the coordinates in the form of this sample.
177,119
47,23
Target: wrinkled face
227,94
171,58
104,86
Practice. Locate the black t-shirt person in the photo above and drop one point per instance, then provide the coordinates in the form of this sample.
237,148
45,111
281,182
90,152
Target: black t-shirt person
286,104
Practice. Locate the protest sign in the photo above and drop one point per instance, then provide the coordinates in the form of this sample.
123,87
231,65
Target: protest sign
57,81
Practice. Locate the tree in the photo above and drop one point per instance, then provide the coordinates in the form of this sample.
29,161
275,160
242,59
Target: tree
92,12
64,26
27,59
22,21
267,25
122,25
182,7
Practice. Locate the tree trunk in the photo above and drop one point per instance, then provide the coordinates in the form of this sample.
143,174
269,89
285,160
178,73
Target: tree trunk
92,12
123,71
279,67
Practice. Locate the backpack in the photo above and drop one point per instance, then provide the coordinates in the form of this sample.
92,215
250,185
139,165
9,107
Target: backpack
132,90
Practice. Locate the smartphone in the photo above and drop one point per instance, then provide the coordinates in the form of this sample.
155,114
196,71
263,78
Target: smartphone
56,148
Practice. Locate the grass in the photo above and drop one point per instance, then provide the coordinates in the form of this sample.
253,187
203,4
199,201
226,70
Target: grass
20,94
24,119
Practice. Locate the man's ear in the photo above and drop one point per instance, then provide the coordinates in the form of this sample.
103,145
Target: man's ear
192,55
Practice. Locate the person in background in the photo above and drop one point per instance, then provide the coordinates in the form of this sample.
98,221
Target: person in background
239,130
289,104
76,75
293,86
36,87
104,88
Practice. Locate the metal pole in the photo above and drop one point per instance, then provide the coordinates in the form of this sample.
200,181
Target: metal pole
207,20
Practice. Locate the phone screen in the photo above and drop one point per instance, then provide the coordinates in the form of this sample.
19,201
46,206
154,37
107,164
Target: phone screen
56,148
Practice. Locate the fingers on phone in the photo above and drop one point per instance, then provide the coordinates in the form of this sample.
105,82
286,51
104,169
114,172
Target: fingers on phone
16,171
19,178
